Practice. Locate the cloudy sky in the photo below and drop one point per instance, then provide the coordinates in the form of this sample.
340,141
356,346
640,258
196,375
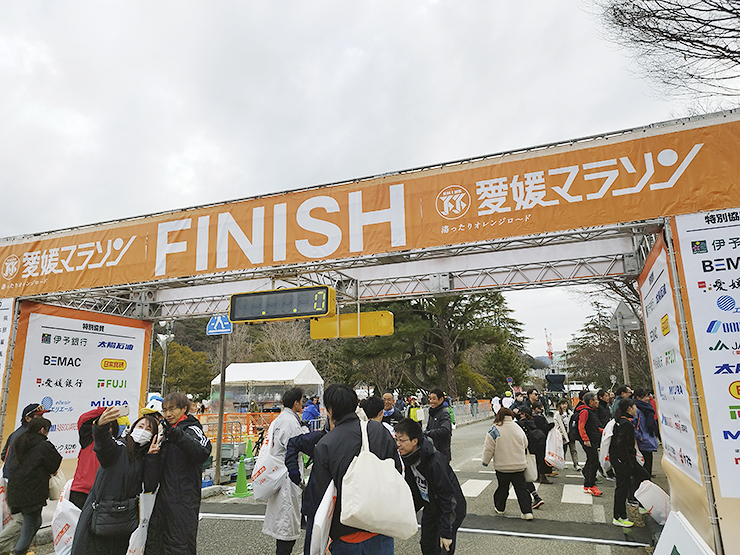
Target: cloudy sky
116,109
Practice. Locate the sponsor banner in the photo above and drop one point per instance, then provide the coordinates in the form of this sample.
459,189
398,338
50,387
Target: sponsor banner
669,375
6,328
74,361
710,256
630,177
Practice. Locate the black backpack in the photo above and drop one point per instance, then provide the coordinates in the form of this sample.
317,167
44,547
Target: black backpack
573,434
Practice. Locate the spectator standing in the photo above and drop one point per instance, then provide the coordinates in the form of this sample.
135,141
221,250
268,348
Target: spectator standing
532,396
311,410
506,444
373,408
127,466
283,512
435,488
589,433
562,420
11,531
602,410
473,405
32,461
173,528
439,425
646,428
391,414
332,457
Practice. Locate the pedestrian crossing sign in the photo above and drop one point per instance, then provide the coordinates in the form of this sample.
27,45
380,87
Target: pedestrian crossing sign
218,325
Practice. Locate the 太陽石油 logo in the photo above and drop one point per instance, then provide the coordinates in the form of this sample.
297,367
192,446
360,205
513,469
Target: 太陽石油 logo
453,202
10,267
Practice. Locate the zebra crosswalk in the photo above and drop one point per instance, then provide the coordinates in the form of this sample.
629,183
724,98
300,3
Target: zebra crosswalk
571,493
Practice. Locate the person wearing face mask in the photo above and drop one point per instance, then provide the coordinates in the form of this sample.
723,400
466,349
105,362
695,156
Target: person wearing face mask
128,466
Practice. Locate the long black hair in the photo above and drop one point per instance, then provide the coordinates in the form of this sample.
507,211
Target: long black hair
22,444
622,407
132,448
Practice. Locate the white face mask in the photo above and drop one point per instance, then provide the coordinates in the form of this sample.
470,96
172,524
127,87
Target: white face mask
141,436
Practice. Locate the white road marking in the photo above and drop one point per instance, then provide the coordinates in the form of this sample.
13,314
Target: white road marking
512,493
599,513
575,494
596,541
478,459
486,472
473,488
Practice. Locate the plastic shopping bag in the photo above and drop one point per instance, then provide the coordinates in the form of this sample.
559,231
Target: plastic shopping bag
6,516
269,472
554,450
606,441
654,500
137,541
64,522
322,521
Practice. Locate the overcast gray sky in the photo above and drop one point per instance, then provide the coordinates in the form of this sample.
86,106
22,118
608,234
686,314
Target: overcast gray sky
114,109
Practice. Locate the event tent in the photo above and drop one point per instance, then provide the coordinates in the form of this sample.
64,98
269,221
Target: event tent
265,383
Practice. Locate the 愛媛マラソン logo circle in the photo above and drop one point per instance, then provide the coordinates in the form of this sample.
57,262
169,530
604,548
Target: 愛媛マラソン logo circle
453,202
11,265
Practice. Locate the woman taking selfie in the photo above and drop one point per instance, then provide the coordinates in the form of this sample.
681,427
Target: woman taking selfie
127,467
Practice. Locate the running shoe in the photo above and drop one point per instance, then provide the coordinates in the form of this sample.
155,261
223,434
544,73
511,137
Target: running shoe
623,522
497,511
593,491
527,516
642,510
633,502
538,503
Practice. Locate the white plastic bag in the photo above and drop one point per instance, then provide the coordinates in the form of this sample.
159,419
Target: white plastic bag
606,441
64,522
654,500
368,479
554,450
56,485
137,541
6,516
269,472
322,521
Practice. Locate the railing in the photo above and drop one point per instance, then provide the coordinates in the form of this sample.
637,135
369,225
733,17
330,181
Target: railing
238,426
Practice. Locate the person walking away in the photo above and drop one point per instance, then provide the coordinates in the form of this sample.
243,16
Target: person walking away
11,531
283,512
127,467
507,401
391,414
537,442
32,461
435,488
622,455
373,408
439,425
589,433
538,415
562,420
184,448
332,457
473,405
495,404
506,445
646,428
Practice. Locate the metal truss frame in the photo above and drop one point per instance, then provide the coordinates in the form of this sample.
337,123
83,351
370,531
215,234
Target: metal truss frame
205,295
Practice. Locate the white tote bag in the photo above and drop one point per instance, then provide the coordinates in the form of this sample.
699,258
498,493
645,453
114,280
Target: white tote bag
137,541
554,451
369,479
606,441
6,516
64,522
322,521
531,473
269,472
654,500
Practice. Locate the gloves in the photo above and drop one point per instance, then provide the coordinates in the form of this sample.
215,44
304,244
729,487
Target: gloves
295,477
445,543
166,426
484,464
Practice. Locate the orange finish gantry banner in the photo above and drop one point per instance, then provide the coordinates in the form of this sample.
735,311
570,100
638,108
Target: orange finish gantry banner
667,170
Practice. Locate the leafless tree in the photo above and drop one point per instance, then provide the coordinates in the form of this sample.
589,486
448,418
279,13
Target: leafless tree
689,46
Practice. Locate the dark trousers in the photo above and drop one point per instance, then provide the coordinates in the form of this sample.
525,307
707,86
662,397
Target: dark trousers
505,479
430,518
31,525
629,478
78,499
284,547
591,466
648,466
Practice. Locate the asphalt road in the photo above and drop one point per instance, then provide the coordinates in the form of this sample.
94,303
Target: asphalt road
233,525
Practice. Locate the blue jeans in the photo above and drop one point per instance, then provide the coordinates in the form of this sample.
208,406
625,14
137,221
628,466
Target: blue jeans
377,545
31,525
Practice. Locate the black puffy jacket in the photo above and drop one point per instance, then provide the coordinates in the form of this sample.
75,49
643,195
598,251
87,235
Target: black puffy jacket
173,529
28,477
439,429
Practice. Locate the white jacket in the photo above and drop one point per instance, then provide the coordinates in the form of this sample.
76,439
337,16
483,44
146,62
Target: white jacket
283,513
562,425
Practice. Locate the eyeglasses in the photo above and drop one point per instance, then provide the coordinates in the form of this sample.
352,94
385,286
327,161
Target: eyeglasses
402,439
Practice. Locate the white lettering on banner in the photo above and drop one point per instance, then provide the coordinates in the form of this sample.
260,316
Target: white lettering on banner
279,231
332,232
493,193
394,215
227,227
201,248
164,247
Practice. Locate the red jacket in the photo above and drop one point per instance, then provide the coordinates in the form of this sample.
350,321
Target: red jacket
87,462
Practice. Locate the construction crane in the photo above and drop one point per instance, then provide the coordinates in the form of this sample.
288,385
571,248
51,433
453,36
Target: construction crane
548,338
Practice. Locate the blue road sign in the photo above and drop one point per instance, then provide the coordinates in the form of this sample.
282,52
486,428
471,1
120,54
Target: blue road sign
218,325
509,379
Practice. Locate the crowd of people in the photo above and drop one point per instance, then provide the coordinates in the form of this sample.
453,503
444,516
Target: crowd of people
163,452
520,426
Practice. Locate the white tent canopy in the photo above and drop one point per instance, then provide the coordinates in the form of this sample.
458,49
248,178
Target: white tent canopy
294,372
264,383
